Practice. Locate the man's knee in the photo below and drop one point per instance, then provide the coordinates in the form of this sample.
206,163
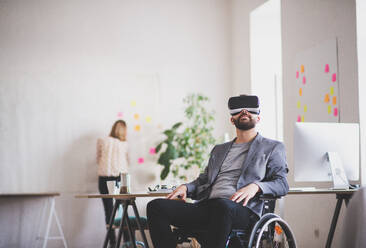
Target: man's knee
155,206
222,206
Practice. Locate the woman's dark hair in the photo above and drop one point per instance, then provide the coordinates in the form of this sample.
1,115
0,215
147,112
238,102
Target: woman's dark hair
114,127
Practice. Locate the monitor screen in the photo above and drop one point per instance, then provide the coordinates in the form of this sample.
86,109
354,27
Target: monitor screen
313,140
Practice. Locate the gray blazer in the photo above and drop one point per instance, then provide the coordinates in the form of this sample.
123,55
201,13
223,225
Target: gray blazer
265,165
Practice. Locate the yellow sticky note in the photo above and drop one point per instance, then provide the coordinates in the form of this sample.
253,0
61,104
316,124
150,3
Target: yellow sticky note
298,104
329,109
133,103
305,108
137,128
302,118
302,69
148,119
136,116
331,90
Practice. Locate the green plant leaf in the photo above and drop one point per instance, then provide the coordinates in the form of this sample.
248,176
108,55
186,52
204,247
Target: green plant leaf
169,154
158,147
177,125
183,177
193,142
168,132
164,173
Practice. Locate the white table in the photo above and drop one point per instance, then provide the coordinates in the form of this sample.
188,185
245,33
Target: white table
50,205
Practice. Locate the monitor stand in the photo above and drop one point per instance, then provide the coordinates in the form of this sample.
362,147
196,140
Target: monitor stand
340,180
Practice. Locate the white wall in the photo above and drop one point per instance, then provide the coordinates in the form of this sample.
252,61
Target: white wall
190,46
63,57
240,49
305,24
266,66
361,55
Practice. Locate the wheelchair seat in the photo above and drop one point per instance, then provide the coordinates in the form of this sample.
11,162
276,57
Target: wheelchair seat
269,231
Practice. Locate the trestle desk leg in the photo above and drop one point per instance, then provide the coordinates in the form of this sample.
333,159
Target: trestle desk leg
123,219
334,222
130,231
111,221
139,223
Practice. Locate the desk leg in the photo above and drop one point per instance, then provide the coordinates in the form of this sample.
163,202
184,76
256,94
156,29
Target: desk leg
39,235
130,231
137,215
60,229
111,221
334,221
123,219
52,208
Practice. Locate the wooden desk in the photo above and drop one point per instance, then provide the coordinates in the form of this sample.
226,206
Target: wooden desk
126,200
122,196
129,199
341,194
52,213
46,194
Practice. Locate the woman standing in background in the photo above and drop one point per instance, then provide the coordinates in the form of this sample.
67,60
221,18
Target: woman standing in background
112,159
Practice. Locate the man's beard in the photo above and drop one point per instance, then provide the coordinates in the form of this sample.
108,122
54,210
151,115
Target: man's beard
244,125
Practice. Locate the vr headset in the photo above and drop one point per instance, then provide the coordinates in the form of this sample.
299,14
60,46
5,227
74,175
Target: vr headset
236,104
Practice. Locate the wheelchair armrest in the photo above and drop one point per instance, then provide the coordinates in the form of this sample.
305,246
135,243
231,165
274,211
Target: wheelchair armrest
269,197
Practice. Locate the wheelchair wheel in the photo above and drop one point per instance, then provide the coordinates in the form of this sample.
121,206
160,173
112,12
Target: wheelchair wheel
271,232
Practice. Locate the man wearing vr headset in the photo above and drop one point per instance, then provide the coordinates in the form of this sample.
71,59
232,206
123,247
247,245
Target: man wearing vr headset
227,191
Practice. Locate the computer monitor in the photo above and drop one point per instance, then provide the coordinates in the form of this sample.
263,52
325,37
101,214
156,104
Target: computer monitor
312,142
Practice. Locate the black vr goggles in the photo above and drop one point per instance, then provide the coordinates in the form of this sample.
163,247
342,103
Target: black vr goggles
249,103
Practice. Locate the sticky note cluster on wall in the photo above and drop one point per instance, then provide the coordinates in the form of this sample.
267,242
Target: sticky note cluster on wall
330,98
301,117
137,125
316,83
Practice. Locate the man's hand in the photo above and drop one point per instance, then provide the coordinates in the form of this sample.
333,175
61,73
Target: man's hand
180,192
246,193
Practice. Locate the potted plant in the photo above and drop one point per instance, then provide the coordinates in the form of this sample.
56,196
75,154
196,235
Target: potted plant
187,145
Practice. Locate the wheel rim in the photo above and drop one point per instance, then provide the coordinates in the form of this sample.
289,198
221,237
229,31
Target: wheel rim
286,229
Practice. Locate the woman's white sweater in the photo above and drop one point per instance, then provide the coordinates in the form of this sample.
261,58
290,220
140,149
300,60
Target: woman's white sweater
111,156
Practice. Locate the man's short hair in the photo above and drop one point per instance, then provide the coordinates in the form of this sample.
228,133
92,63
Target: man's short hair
250,103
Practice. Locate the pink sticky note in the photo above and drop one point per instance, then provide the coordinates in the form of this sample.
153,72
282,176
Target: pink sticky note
326,68
297,74
335,112
299,118
303,80
334,77
141,160
152,150
120,114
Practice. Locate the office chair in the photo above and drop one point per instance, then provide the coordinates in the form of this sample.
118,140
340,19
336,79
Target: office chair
269,231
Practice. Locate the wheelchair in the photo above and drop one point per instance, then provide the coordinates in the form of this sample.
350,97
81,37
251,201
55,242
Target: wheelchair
270,231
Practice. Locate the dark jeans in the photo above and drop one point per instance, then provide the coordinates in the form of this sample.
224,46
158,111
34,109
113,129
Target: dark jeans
107,203
217,216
